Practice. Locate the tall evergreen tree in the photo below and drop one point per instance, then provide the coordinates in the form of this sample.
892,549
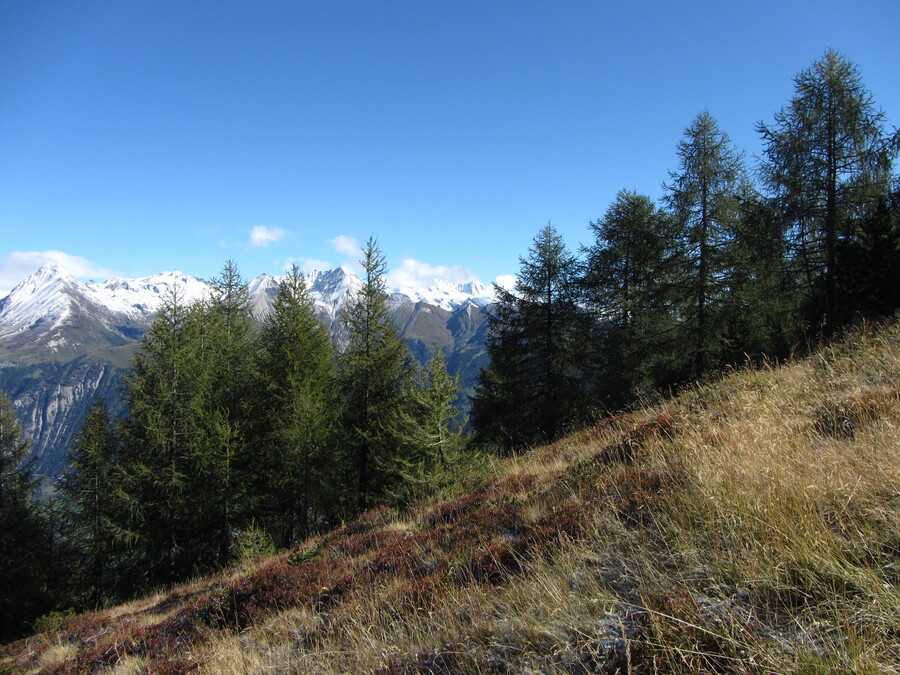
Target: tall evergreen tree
297,415
25,584
161,437
704,197
627,282
761,301
92,489
375,374
226,349
433,427
870,263
828,162
533,386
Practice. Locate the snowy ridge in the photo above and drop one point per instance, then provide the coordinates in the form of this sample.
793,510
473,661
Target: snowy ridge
47,298
447,295
141,298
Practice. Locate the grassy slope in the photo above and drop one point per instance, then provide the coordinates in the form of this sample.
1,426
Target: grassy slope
751,525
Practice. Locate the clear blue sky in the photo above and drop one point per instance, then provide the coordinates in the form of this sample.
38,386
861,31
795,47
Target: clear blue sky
146,135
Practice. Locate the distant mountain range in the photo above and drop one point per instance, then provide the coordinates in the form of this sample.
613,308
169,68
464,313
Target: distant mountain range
63,342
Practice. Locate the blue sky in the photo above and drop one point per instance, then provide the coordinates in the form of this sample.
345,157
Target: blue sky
154,135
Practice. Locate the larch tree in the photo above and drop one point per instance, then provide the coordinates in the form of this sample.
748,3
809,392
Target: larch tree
25,591
704,197
627,285
533,387
227,353
374,377
93,490
161,437
827,162
433,429
298,415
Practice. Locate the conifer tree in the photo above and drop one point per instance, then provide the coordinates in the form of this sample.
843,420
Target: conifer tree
627,282
433,428
374,375
827,162
226,349
704,196
533,386
759,311
161,438
297,415
25,584
92,488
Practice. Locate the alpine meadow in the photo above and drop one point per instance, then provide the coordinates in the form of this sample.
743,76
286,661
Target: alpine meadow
671,449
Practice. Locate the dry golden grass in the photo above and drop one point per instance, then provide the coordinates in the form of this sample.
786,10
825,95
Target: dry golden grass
750,525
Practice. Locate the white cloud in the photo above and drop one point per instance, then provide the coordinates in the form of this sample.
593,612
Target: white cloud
19,264
507,281
417,274
308,265
264,236
349,246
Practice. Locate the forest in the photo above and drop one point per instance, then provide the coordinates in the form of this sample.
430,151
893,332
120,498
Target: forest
242,439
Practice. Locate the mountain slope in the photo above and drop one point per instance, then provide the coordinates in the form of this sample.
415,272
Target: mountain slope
750,525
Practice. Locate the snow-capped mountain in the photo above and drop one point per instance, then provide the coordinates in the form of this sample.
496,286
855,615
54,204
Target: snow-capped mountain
447,295
48,298
63,342
141,298
38,309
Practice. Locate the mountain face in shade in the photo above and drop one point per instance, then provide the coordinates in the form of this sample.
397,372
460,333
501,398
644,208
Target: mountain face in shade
63,342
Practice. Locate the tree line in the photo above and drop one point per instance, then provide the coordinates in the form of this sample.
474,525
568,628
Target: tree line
733,264
235,436
239,437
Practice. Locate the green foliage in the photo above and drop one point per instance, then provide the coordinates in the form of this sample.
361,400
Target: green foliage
161,437
533,387
433,429
375,378
297,410
704,199
628,286
52,622
92,492
827,162
26,572
253,542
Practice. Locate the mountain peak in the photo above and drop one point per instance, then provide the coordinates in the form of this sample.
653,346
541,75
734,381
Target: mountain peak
47,274
43,298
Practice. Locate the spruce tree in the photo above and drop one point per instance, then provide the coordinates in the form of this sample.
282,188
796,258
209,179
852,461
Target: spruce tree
296,417
827,162
534,385
374,375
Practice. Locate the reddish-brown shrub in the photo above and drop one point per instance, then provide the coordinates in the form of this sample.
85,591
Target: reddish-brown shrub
454,509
